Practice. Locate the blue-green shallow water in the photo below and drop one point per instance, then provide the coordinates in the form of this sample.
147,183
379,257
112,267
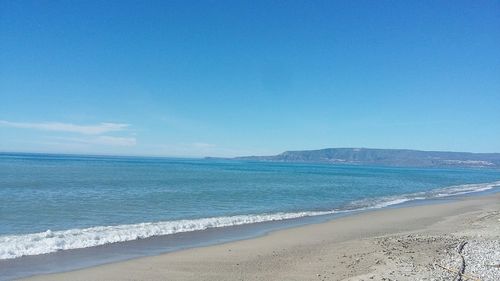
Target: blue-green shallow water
54,202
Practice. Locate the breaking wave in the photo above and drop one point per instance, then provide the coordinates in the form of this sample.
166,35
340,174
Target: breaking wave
13,246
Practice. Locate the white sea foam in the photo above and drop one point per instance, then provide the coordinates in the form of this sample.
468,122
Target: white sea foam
464,189
455,190
13,246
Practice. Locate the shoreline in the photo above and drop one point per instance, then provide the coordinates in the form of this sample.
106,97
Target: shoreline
82,258
52,242
271,255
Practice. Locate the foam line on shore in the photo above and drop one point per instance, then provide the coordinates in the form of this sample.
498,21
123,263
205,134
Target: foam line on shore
14,246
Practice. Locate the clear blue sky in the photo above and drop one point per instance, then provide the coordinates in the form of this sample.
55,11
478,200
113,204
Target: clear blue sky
223,78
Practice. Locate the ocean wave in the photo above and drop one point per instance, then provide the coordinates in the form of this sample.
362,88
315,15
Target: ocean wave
455,190
14,246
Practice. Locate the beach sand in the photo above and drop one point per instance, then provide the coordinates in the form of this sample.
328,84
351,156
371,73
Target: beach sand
409,243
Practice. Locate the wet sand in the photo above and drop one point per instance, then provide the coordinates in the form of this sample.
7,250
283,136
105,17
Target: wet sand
410,243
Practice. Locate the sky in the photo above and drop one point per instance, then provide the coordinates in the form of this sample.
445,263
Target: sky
229,78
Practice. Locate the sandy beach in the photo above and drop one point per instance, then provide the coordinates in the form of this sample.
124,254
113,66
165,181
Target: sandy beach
249,140
410,243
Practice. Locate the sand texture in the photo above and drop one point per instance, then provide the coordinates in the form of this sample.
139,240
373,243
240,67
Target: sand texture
411,243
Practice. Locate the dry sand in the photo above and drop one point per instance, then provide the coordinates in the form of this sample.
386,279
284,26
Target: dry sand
391,244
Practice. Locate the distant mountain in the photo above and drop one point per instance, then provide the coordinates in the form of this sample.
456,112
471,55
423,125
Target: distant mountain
389,157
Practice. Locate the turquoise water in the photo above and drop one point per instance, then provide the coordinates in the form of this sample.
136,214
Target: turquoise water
53,202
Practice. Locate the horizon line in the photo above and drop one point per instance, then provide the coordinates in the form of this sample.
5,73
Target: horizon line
220,157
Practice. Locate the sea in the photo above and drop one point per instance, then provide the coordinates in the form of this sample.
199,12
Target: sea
53,204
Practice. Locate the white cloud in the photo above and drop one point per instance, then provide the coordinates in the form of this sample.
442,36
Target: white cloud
93,135
101,140
202,145
194,149
119,141
97,129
